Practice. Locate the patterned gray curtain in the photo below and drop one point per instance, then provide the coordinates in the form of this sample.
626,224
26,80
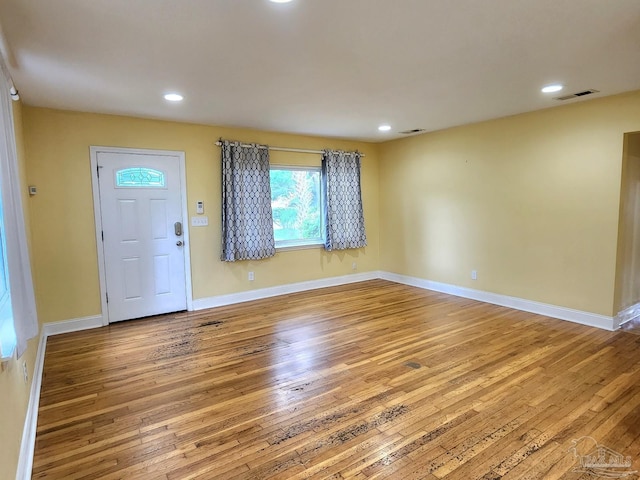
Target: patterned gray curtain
344,220
247,221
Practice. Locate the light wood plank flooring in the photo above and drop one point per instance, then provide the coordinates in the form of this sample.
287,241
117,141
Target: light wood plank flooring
370,380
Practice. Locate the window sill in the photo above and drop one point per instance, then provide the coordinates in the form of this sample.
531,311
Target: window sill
308,246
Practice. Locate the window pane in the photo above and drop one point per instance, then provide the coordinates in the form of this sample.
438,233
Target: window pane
296,205
138,177
4,284
7,332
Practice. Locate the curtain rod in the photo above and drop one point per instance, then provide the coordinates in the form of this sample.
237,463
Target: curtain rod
283,149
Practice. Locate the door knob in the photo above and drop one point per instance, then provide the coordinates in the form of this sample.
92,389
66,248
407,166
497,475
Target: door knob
179,243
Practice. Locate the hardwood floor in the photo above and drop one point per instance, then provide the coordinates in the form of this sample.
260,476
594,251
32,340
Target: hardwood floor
370,380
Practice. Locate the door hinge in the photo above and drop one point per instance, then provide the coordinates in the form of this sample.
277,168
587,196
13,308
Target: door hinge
102,234
107,295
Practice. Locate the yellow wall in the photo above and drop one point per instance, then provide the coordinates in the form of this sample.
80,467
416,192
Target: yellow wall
64,246
627,291
530,202
14,392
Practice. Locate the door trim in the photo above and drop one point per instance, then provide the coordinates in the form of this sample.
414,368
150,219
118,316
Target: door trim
180,157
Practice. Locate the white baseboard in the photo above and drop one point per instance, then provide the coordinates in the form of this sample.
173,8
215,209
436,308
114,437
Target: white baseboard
27,446
555,311
221,300
75,325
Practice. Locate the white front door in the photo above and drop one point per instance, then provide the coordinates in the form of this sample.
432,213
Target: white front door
143,233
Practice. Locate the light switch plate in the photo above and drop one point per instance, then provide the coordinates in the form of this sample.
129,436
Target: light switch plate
199,221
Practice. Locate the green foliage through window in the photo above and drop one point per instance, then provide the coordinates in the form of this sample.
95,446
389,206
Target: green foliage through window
296,201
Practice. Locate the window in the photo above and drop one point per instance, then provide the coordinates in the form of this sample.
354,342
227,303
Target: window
18,316
7,332
139,177
296,202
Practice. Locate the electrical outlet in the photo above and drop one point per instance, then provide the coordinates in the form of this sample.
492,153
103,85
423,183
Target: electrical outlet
474,274
252,277
25,373
354,266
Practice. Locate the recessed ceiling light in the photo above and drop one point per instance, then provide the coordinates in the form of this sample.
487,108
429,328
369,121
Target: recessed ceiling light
173,97
556,87
281,1
384,128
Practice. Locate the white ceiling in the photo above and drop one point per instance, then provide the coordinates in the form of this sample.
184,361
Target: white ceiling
323,67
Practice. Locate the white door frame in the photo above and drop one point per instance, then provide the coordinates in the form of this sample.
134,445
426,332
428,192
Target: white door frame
98,219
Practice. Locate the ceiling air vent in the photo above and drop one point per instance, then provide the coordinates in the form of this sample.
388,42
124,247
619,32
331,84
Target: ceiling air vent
415,130
578,94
